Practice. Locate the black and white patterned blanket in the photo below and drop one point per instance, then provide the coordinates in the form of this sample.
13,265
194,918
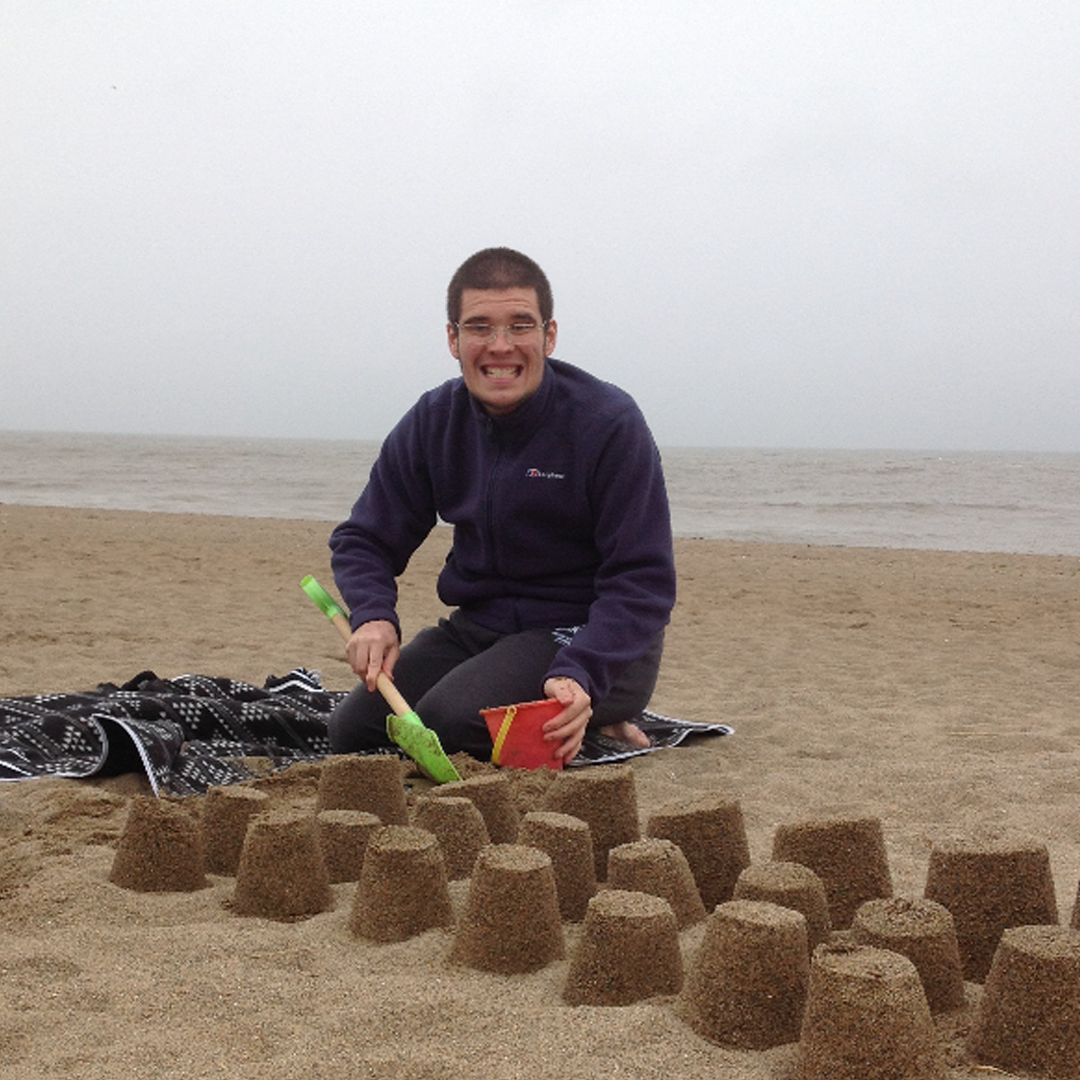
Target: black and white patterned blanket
194,731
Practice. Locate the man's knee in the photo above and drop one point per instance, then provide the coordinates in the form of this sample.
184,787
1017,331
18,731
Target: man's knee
358,723
632,690
459,727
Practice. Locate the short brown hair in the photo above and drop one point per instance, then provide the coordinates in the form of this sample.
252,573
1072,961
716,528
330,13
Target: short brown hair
498,268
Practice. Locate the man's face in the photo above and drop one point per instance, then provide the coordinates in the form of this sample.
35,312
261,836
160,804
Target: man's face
504,372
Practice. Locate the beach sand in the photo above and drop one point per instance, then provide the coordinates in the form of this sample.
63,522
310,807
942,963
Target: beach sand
939,692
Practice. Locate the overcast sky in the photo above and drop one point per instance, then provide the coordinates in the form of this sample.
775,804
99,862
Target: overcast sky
777,224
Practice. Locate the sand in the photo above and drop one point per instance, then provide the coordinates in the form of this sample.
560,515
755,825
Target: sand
938,692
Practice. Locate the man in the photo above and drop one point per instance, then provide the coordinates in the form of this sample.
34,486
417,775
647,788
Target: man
561,571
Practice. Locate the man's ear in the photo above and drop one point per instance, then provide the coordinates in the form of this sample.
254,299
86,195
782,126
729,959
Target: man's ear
550,334
452,340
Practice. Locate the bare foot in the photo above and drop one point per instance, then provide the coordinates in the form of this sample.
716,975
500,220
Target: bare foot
627,732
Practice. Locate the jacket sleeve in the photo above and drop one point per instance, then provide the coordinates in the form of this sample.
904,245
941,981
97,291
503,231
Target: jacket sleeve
635,581
390,520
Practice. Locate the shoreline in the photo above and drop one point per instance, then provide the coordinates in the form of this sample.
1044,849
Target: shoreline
329,523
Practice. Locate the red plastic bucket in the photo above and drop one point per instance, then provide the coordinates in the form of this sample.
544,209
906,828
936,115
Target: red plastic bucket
518,741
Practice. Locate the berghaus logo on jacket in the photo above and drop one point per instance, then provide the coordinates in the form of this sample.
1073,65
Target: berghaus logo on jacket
539,474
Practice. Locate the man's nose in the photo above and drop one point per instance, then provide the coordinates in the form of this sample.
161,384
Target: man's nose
500,339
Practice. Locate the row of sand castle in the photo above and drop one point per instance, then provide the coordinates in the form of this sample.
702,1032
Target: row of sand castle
808,947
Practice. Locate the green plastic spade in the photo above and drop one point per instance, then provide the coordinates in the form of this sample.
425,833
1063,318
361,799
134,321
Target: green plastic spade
402,725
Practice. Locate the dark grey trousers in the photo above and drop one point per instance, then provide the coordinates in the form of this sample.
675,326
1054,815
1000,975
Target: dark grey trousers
449,672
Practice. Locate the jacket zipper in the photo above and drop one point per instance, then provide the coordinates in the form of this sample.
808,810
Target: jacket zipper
489,509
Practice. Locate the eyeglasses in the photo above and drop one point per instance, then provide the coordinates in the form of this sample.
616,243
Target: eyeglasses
487,333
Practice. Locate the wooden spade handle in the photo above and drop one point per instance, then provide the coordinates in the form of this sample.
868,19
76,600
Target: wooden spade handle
389,691
384,683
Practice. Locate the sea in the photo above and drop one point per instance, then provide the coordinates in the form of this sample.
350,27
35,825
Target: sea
947,501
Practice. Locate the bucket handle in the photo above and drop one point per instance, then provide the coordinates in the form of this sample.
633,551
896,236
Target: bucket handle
504,730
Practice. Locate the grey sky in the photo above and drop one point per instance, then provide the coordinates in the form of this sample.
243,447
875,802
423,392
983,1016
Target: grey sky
821,224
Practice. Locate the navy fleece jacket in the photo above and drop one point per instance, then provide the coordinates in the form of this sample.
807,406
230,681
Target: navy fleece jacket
559,511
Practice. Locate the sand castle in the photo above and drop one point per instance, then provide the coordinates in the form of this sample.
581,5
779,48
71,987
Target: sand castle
628,950
859,1008
924,932
282,874
459,827
566,840
790,885
343,837
657,867
990,883
369,782
511,922
492,795
1029,1016
227,811
403,887
747,985
866,1019
604,798
160,849
848,854
710,832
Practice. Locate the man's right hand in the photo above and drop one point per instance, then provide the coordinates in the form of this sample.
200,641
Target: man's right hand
373,647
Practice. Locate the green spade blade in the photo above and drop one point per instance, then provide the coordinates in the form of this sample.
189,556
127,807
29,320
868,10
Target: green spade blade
422,745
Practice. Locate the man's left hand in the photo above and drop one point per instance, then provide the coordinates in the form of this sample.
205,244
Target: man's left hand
569,726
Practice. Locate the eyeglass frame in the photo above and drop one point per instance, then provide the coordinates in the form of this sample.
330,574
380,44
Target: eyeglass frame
495,329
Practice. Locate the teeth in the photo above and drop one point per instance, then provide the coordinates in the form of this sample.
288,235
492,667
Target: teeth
500,372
